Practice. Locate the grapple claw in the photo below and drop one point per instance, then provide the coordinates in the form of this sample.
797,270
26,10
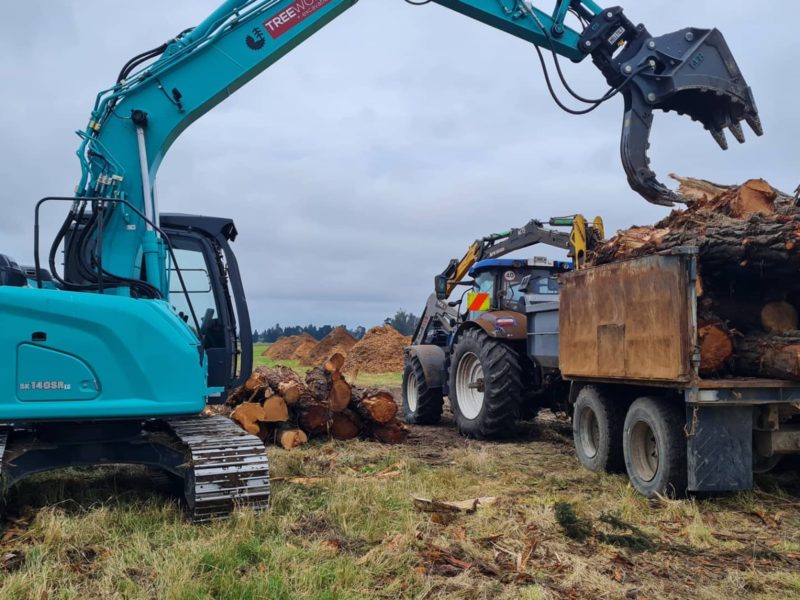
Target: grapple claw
691,72
737,131
695,75
719,137
755,123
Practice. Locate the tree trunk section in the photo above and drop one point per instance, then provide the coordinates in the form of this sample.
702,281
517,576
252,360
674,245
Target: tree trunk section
345,425
291,438
779,317
248,415
771,356
375,406
716,346
314,419
393,432
275,410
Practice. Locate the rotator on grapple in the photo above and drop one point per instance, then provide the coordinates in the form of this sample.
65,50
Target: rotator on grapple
119,336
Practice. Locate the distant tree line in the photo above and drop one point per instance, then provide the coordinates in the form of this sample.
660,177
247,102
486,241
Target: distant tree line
403,321
317,332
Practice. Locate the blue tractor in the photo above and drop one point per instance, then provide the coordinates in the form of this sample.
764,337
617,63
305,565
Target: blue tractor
472,349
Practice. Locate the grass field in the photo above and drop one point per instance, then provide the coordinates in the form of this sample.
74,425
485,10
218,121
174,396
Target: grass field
343,525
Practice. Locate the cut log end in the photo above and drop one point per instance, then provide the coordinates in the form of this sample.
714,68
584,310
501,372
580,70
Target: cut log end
275,410
292,438
716,347
779,317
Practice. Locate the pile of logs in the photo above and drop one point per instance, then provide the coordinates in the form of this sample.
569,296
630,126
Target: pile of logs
280,407
748,238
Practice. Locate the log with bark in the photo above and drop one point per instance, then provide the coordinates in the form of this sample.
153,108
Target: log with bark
277,405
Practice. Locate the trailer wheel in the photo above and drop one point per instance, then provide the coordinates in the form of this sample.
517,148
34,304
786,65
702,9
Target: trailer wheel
422,405
654,446
597,423
485,385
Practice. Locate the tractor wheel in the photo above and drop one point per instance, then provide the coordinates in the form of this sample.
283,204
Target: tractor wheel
485,385
422,405
597,422
654,445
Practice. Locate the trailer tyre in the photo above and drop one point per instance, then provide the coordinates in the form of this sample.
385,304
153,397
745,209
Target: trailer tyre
597,423
422,405
654,445
485,385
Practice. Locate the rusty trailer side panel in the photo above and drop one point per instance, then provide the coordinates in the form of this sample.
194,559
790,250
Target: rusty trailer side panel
633,320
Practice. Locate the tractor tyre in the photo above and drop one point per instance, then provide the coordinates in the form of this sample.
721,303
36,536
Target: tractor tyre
422,405
485,385
597,422
654,445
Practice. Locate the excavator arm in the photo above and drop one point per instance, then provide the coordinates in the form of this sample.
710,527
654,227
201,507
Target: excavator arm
161,92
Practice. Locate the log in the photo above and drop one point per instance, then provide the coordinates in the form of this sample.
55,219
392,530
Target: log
779,317
315,419
291,438
716,346
256,381
339,397
393,432
329,387
376,406
290,391
275,410
274,376
771,356
345,425
318,383
335,363
248,415
752,226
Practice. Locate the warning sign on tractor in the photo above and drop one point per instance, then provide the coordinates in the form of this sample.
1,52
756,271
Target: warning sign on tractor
478,301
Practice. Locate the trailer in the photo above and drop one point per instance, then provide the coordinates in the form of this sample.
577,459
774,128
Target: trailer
625,336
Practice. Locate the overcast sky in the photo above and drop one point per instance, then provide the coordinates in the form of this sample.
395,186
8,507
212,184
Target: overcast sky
357,166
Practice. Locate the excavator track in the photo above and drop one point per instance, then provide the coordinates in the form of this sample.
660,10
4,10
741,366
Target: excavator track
227,467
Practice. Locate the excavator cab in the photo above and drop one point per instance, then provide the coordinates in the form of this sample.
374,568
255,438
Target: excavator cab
214,290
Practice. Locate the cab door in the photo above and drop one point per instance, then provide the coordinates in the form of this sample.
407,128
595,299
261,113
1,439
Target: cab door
213,290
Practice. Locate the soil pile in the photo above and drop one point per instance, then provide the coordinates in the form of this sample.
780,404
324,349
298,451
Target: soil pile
337,341
381,351
304,349
285,347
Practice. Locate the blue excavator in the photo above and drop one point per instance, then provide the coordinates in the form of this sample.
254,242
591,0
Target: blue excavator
113,356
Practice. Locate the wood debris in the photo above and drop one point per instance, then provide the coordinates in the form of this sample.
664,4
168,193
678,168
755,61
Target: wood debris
278,406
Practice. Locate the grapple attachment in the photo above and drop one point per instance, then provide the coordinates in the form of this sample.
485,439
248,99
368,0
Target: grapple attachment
691,71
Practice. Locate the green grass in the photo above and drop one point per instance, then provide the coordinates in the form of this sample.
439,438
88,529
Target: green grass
354,532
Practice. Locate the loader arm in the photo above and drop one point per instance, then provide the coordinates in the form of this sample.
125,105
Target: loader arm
581,236
161,92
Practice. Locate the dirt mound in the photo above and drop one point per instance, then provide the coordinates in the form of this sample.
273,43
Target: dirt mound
381,351
337,340
304,349
284,348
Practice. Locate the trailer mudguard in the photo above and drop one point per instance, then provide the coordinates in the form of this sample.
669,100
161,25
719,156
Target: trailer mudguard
720,448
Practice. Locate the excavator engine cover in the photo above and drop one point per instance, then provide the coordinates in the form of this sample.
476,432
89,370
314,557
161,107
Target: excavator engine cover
691,72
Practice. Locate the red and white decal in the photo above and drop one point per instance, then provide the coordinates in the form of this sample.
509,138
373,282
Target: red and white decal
291,16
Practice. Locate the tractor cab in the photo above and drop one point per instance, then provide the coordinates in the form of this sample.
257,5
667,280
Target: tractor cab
502,284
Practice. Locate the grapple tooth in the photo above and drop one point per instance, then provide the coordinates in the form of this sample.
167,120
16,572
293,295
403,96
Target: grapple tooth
719,137
737,131
755,123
